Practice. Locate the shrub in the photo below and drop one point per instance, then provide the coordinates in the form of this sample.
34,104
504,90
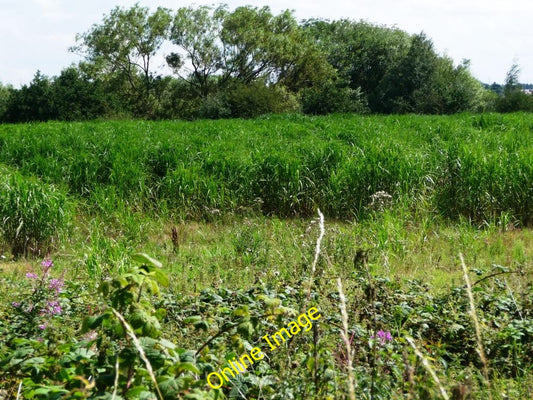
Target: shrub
333,98
32,213
247,101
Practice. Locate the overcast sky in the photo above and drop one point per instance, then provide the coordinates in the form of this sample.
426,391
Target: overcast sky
36,34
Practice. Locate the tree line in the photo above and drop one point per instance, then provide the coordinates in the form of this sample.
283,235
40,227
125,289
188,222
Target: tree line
247,62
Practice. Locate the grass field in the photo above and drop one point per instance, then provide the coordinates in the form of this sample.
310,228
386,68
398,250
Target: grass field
230,209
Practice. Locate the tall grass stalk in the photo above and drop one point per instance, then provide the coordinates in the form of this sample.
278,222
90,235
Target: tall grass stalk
346,340
427,367
115,386
139,348
473,314
19,390
317,254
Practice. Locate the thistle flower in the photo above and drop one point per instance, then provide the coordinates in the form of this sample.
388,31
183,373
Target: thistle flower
15,304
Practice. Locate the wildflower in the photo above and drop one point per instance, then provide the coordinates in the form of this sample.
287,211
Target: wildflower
55,284
47,263
383,337
42,326
53,308
31,275
15,304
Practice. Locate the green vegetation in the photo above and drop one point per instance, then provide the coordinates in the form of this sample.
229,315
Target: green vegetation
477,167
229,210
31,213
247,62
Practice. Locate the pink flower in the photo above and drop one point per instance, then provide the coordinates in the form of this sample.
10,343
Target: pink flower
15,304
383,337
47,263
56,284
53,307
42,326
31,275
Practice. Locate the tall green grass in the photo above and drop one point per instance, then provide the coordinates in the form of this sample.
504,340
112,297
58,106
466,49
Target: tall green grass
32,214
478,167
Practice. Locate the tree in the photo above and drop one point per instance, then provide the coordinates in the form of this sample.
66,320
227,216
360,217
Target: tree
361,53
76,97
411,76
258,44
5,93
33,102
450,89
514,98
218,48
511,80
124,46
197,33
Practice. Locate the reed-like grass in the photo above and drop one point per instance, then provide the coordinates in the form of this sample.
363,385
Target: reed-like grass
474,166
32,214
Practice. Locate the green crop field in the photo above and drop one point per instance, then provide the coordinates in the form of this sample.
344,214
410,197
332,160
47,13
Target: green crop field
141,260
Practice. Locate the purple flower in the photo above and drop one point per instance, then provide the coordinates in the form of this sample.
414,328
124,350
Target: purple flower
56,284
42,326
47,263
53,307
31,275
383,337
15,304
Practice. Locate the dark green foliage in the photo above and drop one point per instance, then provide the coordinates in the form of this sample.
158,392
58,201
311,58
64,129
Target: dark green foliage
393,72
72,96
514,98
248,62
247,101
331,97
5,93
401,84
31,103
76,98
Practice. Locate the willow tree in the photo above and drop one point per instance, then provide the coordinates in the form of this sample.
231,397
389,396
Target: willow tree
123,47
243,46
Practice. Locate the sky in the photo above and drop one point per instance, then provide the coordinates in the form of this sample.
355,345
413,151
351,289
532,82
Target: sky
492,34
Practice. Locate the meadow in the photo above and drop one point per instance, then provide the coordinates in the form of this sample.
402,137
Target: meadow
137,257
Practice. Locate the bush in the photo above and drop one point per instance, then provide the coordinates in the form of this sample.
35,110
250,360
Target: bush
332,98
514,100
248,101
32,213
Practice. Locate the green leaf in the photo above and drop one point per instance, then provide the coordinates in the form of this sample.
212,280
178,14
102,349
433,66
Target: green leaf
161,278
167,344
187,366
145,259
245,328
193,319
93,322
